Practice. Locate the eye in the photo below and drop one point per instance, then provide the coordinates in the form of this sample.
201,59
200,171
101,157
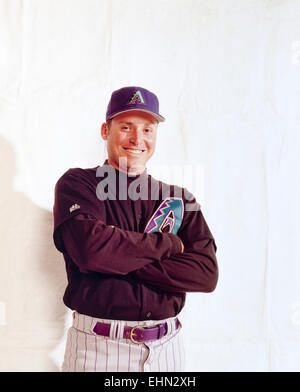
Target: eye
148,130
125,127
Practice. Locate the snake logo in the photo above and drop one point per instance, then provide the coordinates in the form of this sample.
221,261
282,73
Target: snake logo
167,218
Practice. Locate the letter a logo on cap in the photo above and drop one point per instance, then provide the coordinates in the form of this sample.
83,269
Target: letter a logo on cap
137,97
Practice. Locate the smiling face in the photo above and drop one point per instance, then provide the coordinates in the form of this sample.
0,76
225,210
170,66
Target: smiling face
131,138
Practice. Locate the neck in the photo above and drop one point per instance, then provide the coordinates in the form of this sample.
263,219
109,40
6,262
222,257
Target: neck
128,170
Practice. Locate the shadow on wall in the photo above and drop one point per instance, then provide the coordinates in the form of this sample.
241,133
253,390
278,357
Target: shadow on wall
32,279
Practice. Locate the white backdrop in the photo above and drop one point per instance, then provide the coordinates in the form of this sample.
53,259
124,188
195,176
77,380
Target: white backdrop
227,75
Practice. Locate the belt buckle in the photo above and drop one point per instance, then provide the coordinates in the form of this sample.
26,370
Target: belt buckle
132,333
139,327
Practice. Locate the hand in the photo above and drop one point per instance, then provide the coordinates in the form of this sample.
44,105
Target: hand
182,246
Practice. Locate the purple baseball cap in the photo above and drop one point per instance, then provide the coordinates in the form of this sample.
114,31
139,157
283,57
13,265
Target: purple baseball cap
133,98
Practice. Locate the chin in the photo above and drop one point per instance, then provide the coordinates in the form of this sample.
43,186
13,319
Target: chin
139,166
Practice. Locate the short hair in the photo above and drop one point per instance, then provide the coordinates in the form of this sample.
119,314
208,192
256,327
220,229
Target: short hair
108,123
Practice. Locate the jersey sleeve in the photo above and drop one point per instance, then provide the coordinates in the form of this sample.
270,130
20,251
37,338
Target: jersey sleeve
73,194
195,270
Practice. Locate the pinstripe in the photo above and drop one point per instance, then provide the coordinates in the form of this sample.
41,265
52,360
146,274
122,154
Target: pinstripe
95,366
84,344
118,355
158,358
106,355
158,363
179,350
160,353
150,358
173,356
99,342
76,346
129,347
166,354
70,337
183,362
172,345
168,347
141,356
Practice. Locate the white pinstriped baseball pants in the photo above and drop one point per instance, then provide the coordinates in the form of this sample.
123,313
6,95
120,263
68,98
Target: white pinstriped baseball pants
88,352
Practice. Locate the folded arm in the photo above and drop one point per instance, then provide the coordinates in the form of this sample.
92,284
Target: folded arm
195,270
94,246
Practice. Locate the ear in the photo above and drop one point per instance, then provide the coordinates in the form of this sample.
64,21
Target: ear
104,131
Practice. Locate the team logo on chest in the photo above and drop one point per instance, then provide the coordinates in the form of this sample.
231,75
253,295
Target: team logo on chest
167,218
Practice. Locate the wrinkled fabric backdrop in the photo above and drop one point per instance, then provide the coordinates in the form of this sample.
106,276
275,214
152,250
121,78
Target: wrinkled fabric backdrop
227,75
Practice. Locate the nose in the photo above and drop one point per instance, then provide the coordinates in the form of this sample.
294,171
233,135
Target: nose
136,137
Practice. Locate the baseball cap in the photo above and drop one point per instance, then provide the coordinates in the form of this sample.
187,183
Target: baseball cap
133,98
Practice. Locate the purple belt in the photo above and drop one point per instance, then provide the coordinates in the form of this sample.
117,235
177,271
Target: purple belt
137,334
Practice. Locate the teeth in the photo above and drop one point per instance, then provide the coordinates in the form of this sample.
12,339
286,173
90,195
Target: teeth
133,151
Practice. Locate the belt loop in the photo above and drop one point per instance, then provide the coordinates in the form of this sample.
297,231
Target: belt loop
162,331
120,329
170,324
76,320
112,330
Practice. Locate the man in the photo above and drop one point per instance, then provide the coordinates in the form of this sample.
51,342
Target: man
133,246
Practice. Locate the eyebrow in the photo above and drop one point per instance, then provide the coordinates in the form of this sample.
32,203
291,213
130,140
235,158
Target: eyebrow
130,123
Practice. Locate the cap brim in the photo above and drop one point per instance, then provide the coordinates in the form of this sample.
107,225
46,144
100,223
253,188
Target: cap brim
156,116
